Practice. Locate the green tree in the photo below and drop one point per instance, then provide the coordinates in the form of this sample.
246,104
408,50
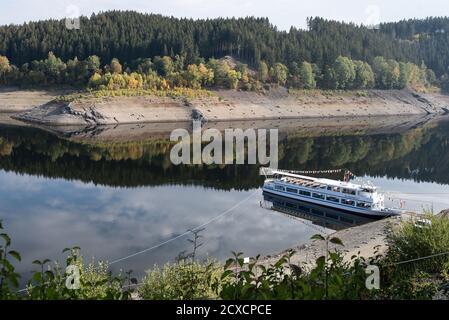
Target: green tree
364,75
263,72
387,73
164,66
54,68
307,76
344,72
198,76
115,66
93,64
5,68
279,73
145,66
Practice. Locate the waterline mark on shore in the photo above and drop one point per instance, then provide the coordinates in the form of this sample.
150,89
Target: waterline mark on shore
190,148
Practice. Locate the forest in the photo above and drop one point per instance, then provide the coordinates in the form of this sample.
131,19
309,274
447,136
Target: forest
129,50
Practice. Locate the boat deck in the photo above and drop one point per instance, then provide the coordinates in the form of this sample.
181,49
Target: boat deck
304,183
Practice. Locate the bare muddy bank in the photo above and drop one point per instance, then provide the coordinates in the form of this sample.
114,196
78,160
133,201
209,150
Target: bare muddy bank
237,105
13,100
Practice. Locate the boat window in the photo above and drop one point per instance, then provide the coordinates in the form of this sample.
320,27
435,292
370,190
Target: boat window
318,195
348,202
304,193
333,199
279,188
367,190
349,191
363,205
292,190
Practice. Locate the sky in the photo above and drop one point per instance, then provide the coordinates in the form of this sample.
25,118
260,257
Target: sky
282,13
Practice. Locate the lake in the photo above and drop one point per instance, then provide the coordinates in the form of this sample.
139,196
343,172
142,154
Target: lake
117,197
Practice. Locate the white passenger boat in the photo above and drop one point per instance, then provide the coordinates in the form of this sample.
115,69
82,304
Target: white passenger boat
359,199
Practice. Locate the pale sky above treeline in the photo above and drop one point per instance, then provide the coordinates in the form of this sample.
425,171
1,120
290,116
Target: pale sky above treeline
282,13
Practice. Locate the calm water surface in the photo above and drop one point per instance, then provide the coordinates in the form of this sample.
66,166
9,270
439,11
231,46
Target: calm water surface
116,199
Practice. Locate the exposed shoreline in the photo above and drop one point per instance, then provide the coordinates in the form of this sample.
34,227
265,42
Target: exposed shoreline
39,107
365,240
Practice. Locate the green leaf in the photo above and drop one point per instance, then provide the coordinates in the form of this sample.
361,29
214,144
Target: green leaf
226,274
336,241
317,237
228,263
15,254
37,262
296,269
9,267
13,278
321,261
6,238
37,277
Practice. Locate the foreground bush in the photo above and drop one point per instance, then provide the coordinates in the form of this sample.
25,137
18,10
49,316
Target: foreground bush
417,262
330,278
53,282
184,280
421,238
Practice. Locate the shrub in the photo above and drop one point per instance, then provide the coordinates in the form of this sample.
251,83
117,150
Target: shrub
331,278
183,280
9,279
95,281
412,240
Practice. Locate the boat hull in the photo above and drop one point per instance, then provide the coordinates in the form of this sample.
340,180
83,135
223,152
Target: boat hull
355,211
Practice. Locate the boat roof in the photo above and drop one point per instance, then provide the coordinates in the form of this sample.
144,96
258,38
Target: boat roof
321,181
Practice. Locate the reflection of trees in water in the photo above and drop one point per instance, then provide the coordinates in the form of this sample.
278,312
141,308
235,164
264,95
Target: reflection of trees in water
362,152
420,153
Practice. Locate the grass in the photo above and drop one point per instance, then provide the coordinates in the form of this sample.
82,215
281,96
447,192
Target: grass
175,93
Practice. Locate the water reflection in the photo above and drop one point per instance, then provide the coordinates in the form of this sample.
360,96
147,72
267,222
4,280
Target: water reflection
43,216
117,198
419,153
321,216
